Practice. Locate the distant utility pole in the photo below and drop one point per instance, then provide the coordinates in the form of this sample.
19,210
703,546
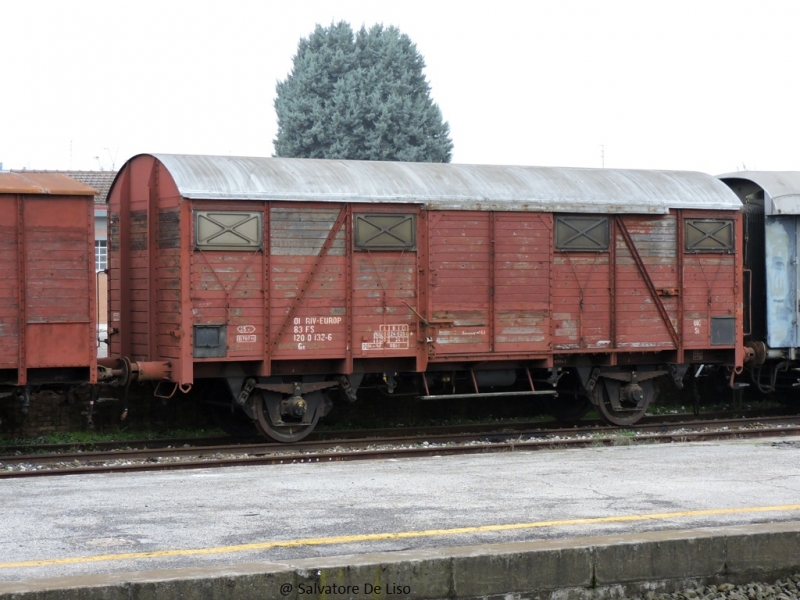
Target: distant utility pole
602,156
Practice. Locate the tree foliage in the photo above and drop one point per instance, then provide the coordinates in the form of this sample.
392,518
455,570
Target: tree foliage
359,96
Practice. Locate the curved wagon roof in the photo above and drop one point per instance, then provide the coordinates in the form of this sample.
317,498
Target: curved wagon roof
445,186
781,189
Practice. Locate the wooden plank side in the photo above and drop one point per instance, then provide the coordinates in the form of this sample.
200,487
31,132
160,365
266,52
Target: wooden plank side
297,235
521,283
580,283
709,291
639,322
300,231
228,288
60,321
383,303
58,268
460,280
9,284
139,279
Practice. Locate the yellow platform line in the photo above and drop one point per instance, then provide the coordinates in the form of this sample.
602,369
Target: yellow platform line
376,537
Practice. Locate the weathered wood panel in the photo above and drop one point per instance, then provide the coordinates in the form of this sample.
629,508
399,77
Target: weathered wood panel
522,283
47,310
384,300
460,281
318,326
9,283
580,285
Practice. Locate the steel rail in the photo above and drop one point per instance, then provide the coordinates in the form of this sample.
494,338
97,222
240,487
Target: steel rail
8,450
294,455
315,445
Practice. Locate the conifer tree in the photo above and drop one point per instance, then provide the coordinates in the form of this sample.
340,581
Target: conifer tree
359,96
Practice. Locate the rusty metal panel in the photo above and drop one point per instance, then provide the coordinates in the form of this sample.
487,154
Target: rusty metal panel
446,186
43,184
61,344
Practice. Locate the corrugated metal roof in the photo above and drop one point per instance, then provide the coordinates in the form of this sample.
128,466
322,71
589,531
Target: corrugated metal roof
781,189
446,186
42,183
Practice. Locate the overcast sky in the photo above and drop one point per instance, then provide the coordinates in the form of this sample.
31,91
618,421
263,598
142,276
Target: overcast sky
699,85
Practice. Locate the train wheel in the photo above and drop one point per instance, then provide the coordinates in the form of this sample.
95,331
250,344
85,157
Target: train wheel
622,405
282,427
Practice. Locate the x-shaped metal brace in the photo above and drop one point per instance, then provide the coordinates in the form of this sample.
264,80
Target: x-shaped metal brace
582,233
229,228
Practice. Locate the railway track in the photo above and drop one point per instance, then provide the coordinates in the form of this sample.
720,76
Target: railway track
384,432
366,448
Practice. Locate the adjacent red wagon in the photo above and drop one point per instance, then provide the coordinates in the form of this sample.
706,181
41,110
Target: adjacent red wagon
48,325
292,279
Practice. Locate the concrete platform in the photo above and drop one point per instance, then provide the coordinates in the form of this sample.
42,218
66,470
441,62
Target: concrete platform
585,567
483,525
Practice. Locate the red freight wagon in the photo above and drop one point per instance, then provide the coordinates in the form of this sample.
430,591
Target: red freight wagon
48,324
292,279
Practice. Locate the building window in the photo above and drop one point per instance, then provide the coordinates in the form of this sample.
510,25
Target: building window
100,255
709,235
582,233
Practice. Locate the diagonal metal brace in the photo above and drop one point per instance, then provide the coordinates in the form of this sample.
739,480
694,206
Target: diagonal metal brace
298,300
652,288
